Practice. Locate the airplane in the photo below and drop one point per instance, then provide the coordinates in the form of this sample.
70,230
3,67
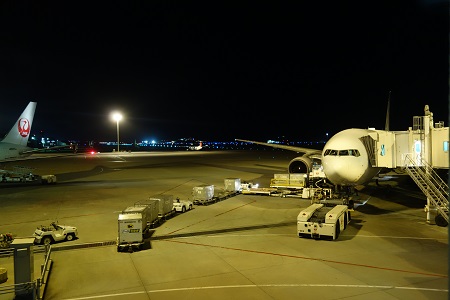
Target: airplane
13,146
199,147
345,159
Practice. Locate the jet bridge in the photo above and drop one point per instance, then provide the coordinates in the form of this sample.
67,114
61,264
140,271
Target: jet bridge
420,150
424,142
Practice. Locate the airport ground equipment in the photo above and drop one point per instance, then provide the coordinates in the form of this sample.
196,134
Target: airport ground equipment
320,221
260,191
5,240
288,181
232,185
18,174
48,179
134,224
46,235
203,194
182,206
165,203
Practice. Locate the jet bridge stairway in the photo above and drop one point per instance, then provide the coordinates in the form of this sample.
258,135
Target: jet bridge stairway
432,186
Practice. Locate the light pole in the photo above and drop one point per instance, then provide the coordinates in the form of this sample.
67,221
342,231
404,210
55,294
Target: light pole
117,117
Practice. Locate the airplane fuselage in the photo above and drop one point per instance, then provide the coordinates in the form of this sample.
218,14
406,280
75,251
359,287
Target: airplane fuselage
12,151
345,159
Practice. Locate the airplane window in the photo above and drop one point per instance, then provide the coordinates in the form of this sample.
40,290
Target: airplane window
347,152
343,152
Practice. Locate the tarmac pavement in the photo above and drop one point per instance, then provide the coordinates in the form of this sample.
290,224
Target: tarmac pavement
243,247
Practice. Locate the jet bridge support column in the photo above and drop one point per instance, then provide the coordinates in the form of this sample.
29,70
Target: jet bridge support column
431,211
24,268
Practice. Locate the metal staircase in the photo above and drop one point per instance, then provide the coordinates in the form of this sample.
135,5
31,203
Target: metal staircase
430,183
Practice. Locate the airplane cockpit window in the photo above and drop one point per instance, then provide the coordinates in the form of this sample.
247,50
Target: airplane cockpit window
354,152
343,152
330,152
347,152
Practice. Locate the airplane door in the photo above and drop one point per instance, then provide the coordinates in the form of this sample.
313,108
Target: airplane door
386,149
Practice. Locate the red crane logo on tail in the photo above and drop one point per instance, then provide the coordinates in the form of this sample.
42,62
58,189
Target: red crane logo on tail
24,127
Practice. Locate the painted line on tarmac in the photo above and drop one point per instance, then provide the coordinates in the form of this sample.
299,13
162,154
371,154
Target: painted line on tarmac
341,235
394,237
311,258
222,213
383,287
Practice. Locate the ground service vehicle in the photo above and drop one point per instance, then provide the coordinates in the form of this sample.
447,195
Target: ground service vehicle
46,235
134,224
5,240
48,179
182,205
319,221
17,177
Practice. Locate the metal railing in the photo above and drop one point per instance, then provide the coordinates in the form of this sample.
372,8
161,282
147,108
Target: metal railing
429,182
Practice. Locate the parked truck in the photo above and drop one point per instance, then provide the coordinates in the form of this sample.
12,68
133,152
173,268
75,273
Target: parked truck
320,221
134,224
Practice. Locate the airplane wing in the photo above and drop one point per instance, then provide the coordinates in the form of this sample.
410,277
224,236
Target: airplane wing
305,151
32,151
29,153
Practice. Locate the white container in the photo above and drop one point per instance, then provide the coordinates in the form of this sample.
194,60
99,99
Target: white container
232,184
203,192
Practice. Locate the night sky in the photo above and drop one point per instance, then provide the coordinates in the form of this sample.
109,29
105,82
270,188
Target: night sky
220,70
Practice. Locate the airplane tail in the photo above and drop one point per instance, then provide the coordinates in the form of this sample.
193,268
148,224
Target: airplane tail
386,126
20,132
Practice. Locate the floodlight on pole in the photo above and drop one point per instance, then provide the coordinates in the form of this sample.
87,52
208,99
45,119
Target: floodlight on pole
117,117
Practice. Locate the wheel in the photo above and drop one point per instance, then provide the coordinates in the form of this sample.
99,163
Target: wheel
190,206
345,220
70,237
351,204
47,240
337,230
183,209
440,221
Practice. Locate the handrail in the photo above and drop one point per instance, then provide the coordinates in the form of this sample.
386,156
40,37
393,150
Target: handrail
430,183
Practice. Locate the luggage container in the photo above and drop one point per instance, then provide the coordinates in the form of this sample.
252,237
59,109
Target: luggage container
232,185
203,194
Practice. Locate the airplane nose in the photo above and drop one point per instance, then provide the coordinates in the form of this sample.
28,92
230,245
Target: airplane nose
340,173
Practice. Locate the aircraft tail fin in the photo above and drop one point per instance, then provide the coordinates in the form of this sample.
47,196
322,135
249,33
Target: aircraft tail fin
20,132
386,126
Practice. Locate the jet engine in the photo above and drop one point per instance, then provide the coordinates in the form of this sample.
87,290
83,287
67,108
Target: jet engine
302,164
